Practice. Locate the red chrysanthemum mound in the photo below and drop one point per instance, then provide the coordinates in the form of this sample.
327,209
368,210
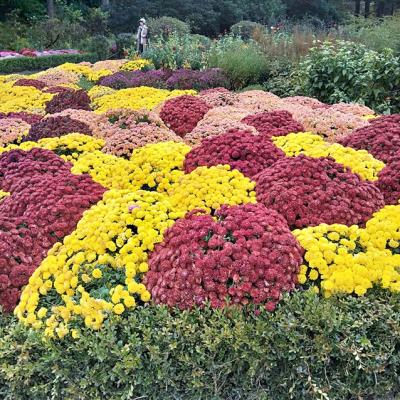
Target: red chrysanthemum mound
26,117
389,180
18,165
274,123
247,256
55,127
77,99
30,82
311,191
182,114
248,153
381,137
46,203
57,89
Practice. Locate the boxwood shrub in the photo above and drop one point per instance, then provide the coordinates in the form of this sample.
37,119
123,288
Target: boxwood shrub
309,348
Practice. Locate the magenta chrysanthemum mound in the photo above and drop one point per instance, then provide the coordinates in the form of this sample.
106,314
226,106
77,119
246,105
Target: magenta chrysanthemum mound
381,137
77,99
182,114
274,123
45,204
311,191
389,180
248,153
56,127
247,256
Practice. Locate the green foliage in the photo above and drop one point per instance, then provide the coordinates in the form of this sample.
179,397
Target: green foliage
349,72
377,34
178,51
246,29
99,45
243,62
309,348
20,64
163,27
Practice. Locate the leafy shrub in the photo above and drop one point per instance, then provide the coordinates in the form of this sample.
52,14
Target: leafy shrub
242,62
19,64
177,51
99,45
163,27
349,72
309,348
245,29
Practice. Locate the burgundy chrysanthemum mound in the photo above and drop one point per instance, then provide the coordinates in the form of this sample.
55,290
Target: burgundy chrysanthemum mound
18,166
182,114
77,99
55,127
27,117
248,153
389,180
381,137
46,203
274,123
57,89
247,256
311,191
30,82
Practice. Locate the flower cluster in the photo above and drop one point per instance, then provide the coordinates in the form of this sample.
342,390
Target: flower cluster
57,77
30,82
359,161
210,188
248,255
77,99
98,268
305,101
99,91
256,101
45,204
24,116
241,150
353,108
389,180
182,114
311,191
12,130
274,123
218,97
136,98
136,65
381,137
125,80
56,126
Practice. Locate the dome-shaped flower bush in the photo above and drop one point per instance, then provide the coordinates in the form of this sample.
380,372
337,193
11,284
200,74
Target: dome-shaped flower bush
256,101
24,116
218,97
210,188
30,82
12,130
56,126
352,108
241,150
183,113
248,255
274,123
381,138
310,191
77,99
389,180
305,101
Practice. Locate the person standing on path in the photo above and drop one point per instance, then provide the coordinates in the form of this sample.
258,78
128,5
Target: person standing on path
142,36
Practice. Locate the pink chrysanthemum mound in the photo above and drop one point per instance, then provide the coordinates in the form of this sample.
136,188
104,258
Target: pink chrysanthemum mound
275,123
248,153
381,137
77,99
389,180
27,117
305,101
182,114
247,256
218,97
311,191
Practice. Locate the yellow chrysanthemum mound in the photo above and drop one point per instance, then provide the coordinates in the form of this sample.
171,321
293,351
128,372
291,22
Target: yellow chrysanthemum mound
341,259
69,147
97,269
136,65
136,98
162,163
209,188
358,161
99,91
23,98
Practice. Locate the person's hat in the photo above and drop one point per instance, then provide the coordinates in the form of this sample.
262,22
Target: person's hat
142,20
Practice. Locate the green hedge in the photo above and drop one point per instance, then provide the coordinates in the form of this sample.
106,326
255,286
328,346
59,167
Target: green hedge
19,64
310,348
